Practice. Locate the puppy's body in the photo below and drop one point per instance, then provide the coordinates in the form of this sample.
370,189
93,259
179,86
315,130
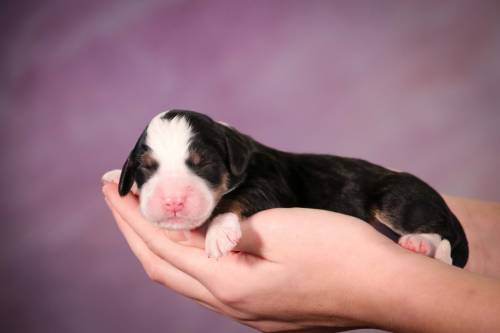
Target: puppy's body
349,186
245,177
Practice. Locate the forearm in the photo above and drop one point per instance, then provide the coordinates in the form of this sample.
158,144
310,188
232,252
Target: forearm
423,295
417,294
481,222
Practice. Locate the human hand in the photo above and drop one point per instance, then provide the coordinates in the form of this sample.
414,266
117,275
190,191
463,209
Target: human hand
285,277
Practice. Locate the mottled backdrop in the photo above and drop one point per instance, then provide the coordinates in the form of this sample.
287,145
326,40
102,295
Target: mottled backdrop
413,85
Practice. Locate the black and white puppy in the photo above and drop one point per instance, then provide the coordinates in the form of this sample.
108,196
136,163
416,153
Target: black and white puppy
189,169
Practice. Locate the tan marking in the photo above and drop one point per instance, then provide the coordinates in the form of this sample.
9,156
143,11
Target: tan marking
225,205
222,188
385,219
195,158
147,160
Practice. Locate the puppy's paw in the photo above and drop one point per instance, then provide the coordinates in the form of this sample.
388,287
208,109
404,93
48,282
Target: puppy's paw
223,234
431,245
443,252
113,176
418,243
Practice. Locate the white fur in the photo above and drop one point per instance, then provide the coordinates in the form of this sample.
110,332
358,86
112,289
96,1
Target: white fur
223,234
440,248
186,219
169,141
443,252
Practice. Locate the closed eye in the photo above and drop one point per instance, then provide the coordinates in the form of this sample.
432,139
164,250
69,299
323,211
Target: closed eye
149,167
148,163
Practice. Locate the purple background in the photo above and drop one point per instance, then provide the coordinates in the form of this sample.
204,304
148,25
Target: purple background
410,85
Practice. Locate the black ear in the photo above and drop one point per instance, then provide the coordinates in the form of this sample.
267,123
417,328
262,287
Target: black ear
129,169
127,177
239,149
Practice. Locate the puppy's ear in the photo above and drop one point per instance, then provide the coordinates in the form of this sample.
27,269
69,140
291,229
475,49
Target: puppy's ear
129,169
127,177
239,149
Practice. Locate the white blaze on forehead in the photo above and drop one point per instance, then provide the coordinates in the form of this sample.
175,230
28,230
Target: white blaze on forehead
169,141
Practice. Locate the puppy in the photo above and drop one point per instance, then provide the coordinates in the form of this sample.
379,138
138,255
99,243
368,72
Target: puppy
189,169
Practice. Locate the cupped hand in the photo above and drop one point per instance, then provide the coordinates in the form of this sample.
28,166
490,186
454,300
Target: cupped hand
296,269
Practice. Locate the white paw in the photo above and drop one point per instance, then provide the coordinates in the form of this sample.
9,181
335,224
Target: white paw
113,176
223,234
443,252
431,245
417,244
420,243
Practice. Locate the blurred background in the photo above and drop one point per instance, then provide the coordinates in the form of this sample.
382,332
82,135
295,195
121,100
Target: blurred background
411,85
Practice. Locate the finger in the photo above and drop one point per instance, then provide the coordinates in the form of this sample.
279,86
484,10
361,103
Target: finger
251,241
164,273
188,259
261,232
160,270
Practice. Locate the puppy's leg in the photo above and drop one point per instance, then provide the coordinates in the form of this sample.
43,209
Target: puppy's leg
431,245
223,234
113,176
410,207
418,243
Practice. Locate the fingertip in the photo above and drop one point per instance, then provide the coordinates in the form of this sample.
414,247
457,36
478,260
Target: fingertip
108,188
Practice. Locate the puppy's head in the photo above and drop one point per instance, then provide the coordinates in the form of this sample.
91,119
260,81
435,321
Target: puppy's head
183,163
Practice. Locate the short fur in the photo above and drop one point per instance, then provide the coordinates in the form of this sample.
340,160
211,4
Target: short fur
252,177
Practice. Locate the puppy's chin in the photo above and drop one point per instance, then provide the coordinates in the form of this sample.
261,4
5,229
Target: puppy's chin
178,223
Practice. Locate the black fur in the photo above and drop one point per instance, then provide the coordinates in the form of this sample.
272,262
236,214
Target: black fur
133,169
263,178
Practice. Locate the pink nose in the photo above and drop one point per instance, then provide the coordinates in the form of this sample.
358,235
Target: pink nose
174,204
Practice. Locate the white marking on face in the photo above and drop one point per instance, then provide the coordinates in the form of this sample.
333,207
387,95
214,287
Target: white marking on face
169,141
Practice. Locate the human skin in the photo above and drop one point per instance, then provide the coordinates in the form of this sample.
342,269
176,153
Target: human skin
312,270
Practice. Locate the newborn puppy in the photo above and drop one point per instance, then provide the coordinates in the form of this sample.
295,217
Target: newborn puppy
189,169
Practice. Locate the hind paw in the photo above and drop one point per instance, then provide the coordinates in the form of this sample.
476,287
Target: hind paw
431,245
418,244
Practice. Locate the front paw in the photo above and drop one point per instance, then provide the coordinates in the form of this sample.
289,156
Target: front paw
223,234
